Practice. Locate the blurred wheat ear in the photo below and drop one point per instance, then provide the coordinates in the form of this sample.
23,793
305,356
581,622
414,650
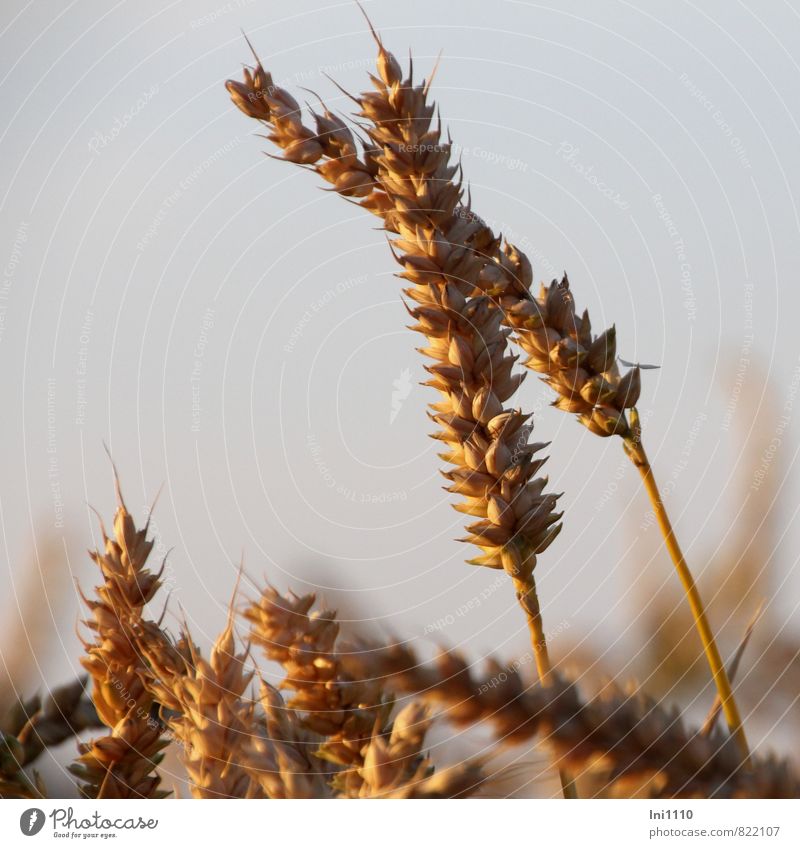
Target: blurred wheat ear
31,617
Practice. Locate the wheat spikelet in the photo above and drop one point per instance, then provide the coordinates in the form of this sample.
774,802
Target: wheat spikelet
395,765
228,748
121,764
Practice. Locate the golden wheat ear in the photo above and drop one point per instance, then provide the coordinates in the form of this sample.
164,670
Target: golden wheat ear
208,711
123,763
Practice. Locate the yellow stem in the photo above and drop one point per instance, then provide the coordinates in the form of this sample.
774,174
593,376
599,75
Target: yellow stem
636,452
529,601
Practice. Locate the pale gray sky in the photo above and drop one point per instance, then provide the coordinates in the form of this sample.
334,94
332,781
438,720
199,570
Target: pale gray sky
236,335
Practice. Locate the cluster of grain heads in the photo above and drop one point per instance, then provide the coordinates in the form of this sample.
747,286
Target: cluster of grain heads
336,738
404,176
121,764
346,724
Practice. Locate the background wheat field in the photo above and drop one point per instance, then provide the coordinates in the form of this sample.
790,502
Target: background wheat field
237,340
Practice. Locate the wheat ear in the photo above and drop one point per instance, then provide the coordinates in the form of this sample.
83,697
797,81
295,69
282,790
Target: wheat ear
123,763
580,368
204,704
494,466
